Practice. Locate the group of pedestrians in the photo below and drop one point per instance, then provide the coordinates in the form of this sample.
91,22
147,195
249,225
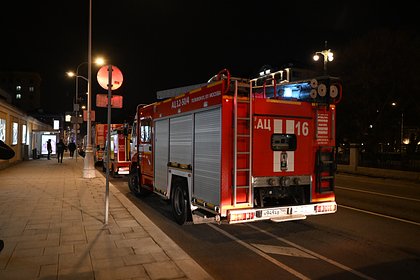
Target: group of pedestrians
60,148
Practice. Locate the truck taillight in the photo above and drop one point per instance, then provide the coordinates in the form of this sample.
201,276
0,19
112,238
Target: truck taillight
239,217
326,208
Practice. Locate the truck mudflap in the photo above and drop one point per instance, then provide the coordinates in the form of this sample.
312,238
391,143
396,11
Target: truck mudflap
280,214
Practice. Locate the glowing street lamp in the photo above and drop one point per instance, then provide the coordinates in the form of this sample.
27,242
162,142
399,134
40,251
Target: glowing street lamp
327,54
98,61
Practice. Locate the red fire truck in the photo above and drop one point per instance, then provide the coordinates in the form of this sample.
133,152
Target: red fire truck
119,157
239,150
99,141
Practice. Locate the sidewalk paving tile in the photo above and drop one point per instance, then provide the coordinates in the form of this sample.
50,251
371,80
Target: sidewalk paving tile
52,222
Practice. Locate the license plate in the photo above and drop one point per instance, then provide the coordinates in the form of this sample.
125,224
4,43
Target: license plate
272,212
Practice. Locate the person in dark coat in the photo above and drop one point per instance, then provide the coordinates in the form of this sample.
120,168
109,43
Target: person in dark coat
72,148
60,150
49,148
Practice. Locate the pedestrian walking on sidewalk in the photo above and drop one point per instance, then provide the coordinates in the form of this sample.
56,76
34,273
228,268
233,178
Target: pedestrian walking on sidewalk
6,152
49,148
72,148
60,150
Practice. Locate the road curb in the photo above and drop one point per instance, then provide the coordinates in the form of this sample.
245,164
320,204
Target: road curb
184,262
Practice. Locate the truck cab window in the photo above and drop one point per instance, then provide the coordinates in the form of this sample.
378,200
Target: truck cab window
145,130
134,130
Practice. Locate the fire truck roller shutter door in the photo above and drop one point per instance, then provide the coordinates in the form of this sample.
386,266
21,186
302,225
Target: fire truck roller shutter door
207,155
161,154
180,140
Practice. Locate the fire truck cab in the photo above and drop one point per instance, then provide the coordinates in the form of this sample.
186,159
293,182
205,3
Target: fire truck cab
240,150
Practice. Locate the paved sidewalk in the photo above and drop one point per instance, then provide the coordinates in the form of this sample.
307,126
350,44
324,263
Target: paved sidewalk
51,220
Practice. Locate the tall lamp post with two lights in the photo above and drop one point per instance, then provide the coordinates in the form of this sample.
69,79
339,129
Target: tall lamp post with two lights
76,103
327,54
99,61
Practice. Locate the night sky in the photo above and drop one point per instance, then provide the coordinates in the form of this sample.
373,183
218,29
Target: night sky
165,44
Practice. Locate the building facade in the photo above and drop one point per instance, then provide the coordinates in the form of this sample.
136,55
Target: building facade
21,132
24,89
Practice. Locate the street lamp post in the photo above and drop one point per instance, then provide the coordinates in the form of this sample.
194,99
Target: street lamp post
89,168
402,132
327,54
98,61
401,128
76,109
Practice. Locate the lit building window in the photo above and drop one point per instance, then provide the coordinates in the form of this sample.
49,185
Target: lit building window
56,124
31,89
15,133
18,88
3,130
18,96
24,134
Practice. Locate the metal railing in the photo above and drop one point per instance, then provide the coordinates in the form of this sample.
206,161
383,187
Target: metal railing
383,160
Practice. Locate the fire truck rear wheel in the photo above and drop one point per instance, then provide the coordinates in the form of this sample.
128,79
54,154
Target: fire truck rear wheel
179,200
133,183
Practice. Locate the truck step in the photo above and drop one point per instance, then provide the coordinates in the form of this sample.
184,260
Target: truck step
288,218
199,217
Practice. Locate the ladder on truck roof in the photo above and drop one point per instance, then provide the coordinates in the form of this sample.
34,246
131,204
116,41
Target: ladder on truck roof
242,146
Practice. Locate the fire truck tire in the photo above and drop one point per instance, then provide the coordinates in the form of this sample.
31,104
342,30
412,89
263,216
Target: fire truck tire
133,183
179,201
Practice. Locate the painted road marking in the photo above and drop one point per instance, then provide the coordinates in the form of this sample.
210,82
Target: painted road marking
260,253
382,194
285,251
380,215
280,264
330,261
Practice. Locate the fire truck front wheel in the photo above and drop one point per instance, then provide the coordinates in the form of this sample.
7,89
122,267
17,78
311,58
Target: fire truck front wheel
179,200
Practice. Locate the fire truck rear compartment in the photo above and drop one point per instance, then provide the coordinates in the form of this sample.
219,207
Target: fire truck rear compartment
281,191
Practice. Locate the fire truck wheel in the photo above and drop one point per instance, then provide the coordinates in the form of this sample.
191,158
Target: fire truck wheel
133,183
179,200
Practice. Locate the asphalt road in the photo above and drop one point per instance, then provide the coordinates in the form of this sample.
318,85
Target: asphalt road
375,234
